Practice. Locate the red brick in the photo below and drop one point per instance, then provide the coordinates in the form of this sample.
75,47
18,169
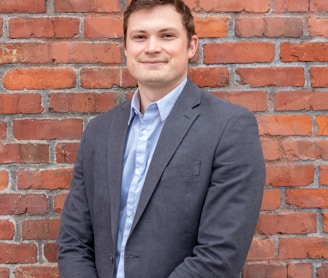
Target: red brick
69,52
48,129
103,26
283,27
283,6
82,103
87,6
303,248
49,179
210,77
304,52
7,230
325,222
20,104
18,204
100,78
271,199
323,174
212,26
294,149
4,179
285,125
59,201
40,229
27,52
256,6
322,271
289,175
308,197
270,147
247,27
24,153
18,253
318,6
318,27
261,249
297,270
50,252
39,78
26,6
37,272
1,26
43,27
4,272
319,76
66,152
269,270
300,100
238,52
3,130
253,100
271,76
322,123
127,79
287,223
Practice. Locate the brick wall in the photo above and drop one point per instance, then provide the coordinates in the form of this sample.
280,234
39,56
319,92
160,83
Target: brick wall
60,65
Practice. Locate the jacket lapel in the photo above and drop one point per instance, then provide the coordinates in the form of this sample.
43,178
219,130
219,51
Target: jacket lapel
177,124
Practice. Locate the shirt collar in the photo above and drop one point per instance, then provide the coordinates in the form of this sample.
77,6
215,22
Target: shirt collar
164,105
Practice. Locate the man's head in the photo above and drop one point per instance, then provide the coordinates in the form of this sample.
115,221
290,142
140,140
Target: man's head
180,7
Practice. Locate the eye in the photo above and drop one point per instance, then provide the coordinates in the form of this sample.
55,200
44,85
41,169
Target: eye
139,37
168,36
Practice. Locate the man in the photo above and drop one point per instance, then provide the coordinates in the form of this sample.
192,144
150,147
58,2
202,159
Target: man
170,183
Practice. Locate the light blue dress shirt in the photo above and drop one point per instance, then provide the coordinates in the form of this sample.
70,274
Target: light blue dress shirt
144,131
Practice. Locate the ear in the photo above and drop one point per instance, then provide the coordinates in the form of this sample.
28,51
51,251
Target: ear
193,46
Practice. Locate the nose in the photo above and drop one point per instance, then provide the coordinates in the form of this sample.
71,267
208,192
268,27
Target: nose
153,45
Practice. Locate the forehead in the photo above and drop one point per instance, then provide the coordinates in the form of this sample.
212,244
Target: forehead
159,17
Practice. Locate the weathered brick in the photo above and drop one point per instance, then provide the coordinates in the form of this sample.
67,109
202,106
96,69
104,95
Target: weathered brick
37,271
323,174
271,199
212,26
3,130
289,175
1,26
26,6
55,27
7,230
24,153
210,77
304,52
15,253
238,52
82,103
287,223
103,26
59,201
308,197
261,249
247,27
40,229
301,100
319,77
322,270
265,270
297,270
275,76
303,248
4,179
66,152
270,147
4,272
18,204
50,252
88,6
39,78
325,222
284,6
100,78
48,129
253,100
322,123
317,26
318,6
256,6
285,125
50,179
20,104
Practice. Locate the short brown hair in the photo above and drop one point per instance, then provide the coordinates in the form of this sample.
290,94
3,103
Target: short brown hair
180,6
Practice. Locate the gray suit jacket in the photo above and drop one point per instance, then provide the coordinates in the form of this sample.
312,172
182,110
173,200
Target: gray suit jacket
200,201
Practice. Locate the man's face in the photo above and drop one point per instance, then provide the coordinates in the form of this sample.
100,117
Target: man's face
157,49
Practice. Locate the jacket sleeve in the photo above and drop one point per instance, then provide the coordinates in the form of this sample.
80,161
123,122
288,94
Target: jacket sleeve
76,257
231,208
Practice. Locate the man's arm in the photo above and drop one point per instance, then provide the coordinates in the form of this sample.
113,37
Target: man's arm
75,240
232,204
